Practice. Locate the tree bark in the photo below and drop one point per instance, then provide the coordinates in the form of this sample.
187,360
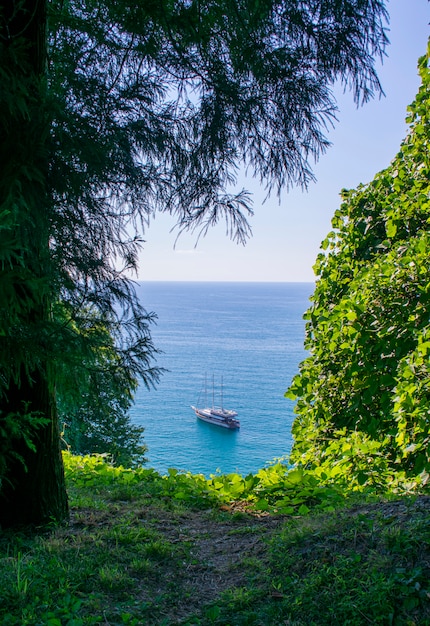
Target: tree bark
32,490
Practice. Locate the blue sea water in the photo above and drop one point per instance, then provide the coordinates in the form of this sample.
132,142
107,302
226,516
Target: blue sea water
251,336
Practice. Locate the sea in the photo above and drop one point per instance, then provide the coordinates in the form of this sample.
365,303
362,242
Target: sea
247,341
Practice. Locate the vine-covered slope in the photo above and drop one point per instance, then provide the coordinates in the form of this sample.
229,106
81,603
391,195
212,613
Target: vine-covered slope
364,391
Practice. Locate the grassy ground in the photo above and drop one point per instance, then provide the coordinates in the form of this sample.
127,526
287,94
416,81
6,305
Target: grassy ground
133,557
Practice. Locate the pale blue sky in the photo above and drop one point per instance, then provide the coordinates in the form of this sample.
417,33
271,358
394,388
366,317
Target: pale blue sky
287,235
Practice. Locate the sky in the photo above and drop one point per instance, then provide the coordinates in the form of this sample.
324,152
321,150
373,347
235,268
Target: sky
287,233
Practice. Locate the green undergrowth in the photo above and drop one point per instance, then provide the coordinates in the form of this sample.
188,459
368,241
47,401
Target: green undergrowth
276,489
283,546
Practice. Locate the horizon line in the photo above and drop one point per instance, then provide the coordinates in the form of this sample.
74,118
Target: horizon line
173,280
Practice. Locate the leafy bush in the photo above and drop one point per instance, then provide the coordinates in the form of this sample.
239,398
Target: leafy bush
363,394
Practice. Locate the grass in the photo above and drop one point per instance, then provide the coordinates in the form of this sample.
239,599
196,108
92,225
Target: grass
136,554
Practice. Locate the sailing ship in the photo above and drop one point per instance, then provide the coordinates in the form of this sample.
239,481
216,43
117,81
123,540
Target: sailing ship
217,415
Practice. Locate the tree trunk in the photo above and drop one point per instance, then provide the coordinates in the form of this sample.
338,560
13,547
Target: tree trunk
32,489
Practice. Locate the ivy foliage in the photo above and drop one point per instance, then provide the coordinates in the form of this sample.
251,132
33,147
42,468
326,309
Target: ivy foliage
363,394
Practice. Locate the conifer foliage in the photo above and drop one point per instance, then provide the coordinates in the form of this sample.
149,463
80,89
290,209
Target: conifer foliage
364,392
113,111
94,394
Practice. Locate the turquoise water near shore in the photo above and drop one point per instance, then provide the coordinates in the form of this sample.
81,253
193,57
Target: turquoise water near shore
249,334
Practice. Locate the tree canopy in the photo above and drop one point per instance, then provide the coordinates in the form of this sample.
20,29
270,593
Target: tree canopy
112,111
363,394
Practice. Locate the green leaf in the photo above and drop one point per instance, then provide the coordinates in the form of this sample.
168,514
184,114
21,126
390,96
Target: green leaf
391,228
351,316
262,505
